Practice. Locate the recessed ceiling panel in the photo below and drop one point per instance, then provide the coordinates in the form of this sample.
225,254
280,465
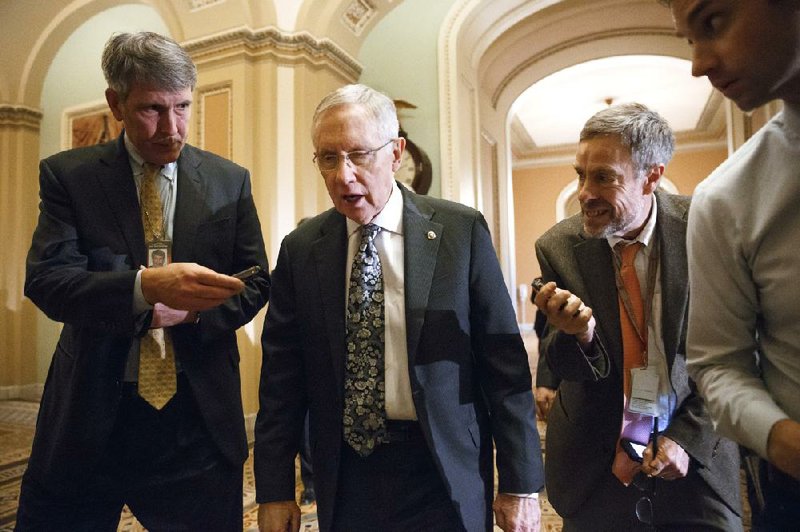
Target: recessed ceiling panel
554,109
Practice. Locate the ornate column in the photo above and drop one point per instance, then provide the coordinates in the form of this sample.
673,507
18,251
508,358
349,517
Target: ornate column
19,189
255,97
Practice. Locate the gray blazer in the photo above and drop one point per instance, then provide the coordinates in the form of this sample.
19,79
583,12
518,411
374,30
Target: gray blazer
586,417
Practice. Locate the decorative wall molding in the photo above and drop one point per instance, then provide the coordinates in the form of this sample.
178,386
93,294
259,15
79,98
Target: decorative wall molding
27,392
20,116
357,15
106,127
593,38
213,90
286,47
197,5
564,154
449,94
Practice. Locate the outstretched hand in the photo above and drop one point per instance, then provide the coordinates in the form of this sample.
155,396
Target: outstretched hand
188,286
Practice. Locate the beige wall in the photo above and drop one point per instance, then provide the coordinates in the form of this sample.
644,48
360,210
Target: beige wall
536,191
19,137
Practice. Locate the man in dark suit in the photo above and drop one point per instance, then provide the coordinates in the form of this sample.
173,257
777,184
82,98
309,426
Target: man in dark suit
108,433
409,447
616,336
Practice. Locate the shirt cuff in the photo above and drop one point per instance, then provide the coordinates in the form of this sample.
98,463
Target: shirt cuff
140,304
525,495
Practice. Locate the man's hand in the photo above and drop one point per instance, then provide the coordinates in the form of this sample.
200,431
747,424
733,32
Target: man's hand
517,514
281,516
783,447
566,312
544,401
188,286
670,463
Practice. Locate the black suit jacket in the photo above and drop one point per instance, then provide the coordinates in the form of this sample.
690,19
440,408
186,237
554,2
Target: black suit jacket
81,268
584,422
468,367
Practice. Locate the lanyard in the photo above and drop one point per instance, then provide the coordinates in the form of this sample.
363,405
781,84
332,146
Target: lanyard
652,270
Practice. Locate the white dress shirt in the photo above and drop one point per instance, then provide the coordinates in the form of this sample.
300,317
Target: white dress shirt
389,243
744,340
656,355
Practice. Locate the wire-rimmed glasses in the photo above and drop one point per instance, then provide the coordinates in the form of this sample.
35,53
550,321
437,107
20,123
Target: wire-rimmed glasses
644,506
327,162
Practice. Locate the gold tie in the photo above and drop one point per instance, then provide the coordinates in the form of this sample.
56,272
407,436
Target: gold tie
152,208
157,381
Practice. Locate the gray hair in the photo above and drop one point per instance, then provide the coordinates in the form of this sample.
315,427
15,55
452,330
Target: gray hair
147,58
644,132
379,107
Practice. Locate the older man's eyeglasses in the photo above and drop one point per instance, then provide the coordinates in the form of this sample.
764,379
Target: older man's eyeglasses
357,158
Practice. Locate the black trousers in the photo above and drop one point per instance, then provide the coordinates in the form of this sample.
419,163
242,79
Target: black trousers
682,505
162,464
396,488
777,508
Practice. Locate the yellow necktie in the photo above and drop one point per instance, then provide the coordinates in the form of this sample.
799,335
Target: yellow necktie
157,380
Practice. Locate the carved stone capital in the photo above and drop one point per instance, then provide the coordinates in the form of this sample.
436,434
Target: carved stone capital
286,47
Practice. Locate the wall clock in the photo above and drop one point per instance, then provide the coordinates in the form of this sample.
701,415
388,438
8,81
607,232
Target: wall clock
415,169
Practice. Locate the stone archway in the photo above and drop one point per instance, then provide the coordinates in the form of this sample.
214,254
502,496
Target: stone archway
490,53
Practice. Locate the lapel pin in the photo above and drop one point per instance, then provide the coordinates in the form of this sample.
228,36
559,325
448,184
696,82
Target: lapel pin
431,235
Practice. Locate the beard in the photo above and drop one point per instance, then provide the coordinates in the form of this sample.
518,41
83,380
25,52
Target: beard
617,225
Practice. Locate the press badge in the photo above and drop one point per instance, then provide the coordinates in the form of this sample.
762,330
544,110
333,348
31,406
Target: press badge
159,253
644,391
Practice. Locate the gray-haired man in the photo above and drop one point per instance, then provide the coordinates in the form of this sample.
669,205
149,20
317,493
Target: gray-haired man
142,404
615,301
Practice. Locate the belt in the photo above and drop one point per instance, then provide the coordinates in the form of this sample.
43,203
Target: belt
398,431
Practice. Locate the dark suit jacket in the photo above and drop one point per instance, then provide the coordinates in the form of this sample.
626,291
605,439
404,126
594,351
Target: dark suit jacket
584,422
467,363
81,267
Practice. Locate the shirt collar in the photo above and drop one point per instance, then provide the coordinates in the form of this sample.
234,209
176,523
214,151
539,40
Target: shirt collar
137,163
645,236
391,216
791,114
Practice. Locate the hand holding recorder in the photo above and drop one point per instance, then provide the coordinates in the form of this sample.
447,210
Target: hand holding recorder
564,310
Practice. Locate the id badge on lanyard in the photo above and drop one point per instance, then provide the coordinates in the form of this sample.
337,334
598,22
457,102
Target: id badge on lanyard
159,253
644,391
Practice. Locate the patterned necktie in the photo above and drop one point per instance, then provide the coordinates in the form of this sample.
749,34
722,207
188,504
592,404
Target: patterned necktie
636,427
150,202
364,387
157,380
